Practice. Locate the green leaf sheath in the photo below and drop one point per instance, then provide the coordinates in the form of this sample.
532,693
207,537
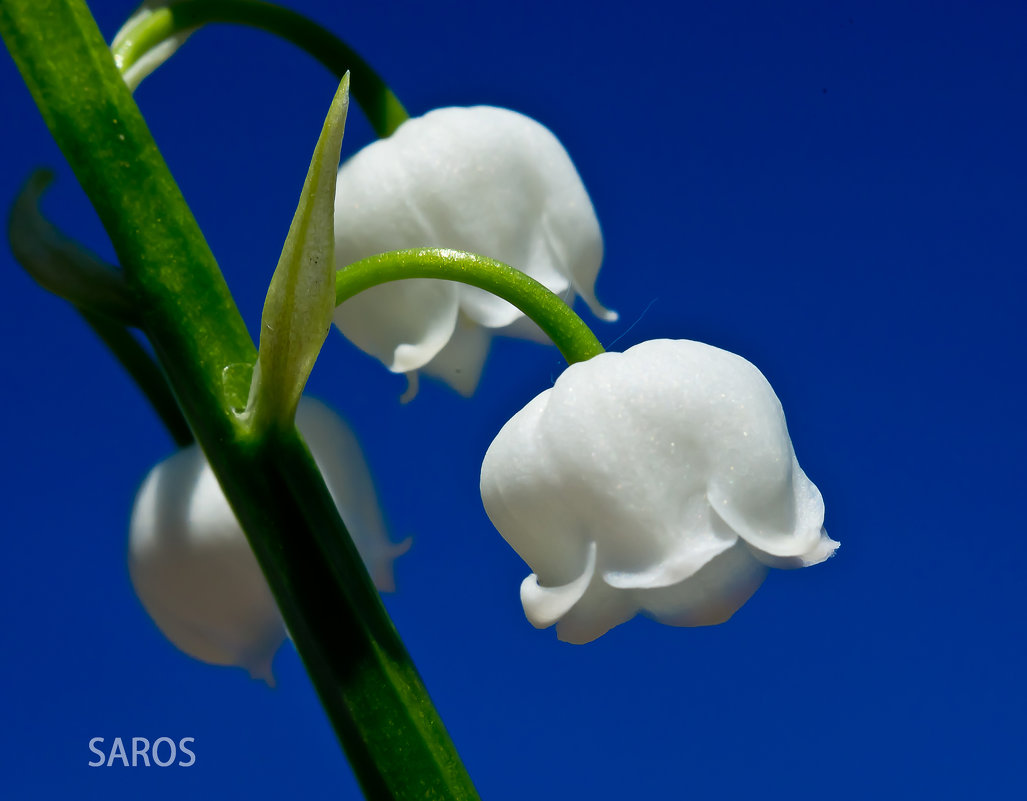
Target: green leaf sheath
557,320
366,681
301,298
382,107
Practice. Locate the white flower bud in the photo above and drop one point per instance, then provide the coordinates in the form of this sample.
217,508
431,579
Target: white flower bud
484,180
660,480
191,564
155,56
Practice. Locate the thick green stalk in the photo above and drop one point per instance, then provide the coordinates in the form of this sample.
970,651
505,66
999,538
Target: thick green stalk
366,681
557,320
382,107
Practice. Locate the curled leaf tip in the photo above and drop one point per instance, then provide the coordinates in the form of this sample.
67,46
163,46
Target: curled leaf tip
61,265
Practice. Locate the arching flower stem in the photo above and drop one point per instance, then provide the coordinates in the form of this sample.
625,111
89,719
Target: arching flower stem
382,107
557,320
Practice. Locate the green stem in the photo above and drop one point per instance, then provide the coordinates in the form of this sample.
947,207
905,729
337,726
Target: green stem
557,320
370,689
382,107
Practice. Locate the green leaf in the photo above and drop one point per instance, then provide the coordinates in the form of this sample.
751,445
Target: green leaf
301,298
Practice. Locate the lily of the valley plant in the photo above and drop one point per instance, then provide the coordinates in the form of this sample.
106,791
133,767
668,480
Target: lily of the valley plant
659,481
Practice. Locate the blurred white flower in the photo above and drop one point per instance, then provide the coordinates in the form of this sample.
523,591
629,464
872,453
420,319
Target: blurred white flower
660,480
482,179
191,564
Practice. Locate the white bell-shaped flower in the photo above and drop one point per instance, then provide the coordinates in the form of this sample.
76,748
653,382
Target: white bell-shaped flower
482,179
194,571
660,480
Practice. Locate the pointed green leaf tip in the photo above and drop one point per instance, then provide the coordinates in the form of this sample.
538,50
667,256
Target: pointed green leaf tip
301,298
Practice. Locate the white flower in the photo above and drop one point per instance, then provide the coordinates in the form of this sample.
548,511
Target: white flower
660,480
191,564
485,180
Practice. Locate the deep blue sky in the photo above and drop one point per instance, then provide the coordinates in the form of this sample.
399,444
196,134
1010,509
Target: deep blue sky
835,191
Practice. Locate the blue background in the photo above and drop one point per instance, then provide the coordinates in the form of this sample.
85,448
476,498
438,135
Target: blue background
835,191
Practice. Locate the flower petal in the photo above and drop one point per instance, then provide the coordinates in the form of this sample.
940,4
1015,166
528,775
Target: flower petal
341,460
699,537
404,324
675,568
543,606
778,512
193,569
822,551
710,596
460,362
601,608
540,526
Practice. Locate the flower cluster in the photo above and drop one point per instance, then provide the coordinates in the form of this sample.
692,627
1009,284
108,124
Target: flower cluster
660,480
